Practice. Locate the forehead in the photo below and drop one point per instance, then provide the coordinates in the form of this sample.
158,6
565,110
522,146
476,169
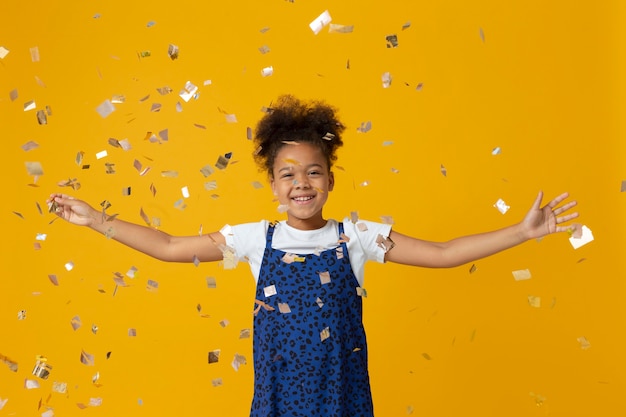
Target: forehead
300,154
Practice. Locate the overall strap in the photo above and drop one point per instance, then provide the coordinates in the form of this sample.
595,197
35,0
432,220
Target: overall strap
270,235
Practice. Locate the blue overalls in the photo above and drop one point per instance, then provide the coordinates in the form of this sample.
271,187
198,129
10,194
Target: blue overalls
310,352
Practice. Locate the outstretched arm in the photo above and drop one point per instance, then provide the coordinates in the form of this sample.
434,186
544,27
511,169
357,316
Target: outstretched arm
145,239
538,222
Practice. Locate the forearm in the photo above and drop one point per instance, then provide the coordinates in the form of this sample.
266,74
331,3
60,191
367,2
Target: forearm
145,239
470,248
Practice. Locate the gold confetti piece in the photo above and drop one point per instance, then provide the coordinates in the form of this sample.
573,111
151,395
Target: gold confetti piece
419,87
387,220
29,146
261,304
338,252
584,343
392,41
586,236
222,160
238,360
501,206
211,282
21,315
539,399
34,54
496,151
86,358
325,334
95,402
156,107
59,387
361,292
521,274
94,329
3,52
152,286
284,308
188,91
406,25
319,302
118,99
267,71
409,409
53,279
132,332
320,22
324,277
214,356
385,243
79,158
31,384
244,334
335,28
344,238
42,118
34,168
365,127
101,154
105,108
361,226
386,79
42,368
270,290
426,356
534,301
172,52
30,105
144,54
76,323
473,269
264,49
481,33
217,382
443,170
290,257
9,362
282,208
623,187
231,118
13,95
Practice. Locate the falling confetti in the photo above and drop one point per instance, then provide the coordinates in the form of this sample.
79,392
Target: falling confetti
522,274
501,206
320,22
585,237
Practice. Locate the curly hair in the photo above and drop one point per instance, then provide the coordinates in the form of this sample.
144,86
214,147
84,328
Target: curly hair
293,120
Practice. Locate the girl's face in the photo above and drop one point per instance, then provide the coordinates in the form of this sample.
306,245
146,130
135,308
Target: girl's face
301,182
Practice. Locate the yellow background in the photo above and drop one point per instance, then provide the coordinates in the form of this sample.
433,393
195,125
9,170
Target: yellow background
546,85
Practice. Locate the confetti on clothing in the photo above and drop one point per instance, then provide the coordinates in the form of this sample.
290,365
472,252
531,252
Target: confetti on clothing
310,358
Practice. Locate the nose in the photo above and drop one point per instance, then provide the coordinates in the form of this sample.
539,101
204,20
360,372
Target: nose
302,181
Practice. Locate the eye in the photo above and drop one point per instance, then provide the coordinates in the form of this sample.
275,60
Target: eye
315,173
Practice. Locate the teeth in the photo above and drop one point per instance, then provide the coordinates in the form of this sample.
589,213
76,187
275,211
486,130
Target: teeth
302,198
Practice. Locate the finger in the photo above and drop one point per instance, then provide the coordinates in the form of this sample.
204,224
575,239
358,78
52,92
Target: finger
537,203
564,208
555,202
567,218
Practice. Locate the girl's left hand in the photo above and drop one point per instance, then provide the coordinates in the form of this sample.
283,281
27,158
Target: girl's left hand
541,221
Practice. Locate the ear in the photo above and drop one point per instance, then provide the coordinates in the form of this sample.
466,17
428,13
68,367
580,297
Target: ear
331,181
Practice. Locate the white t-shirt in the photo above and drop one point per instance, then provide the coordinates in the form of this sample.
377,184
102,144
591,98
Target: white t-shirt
248,241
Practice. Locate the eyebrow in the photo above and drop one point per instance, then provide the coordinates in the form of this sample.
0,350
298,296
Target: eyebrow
290,167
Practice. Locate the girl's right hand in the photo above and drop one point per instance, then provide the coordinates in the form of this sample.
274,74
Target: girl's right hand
74,211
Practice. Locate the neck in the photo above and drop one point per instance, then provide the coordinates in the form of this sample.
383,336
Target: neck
308,224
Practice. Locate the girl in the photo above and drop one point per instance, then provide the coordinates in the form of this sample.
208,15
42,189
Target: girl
310,351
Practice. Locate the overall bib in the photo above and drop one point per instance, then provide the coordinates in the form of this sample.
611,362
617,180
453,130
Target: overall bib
310,353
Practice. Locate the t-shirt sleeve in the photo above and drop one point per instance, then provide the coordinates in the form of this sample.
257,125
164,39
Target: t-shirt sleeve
366,235
248,242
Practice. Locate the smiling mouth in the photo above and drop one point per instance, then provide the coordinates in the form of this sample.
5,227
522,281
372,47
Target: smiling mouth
302,199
